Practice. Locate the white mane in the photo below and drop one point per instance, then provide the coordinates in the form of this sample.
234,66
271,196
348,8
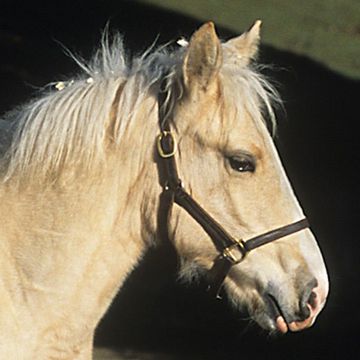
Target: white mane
67,126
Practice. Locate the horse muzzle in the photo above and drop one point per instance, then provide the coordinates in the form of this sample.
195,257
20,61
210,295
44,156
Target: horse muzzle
294,317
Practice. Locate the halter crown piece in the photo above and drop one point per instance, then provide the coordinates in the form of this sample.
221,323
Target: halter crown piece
231,251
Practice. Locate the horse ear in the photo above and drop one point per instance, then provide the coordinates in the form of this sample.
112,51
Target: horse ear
246,45
203,58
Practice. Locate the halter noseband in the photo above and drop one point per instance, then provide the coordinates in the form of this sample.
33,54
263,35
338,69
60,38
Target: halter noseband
231,251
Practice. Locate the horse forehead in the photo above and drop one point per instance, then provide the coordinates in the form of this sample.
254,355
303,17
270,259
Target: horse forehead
244,129
231,133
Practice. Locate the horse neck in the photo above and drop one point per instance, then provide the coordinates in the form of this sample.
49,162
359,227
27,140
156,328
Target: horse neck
75,245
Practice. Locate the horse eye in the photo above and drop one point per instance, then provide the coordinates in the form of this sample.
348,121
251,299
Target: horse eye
244,163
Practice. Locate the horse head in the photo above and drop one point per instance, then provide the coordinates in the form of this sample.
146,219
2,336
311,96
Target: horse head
227,161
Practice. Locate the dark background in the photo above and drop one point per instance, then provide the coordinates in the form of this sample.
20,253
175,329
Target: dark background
317,140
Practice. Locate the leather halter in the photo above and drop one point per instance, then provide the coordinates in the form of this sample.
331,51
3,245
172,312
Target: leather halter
232,251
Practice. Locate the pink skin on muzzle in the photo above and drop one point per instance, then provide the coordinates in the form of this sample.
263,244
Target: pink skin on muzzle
316,305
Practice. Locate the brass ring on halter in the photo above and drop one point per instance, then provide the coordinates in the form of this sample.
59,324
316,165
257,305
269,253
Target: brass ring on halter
235,253
161,151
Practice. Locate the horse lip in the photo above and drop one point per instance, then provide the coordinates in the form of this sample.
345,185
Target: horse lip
273,308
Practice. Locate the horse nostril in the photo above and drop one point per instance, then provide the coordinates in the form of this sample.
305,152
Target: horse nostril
307,301
312,299
304,311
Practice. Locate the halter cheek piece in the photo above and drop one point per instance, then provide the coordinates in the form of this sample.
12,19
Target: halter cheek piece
231,251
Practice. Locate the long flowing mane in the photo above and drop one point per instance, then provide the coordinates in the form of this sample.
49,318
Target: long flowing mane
67,126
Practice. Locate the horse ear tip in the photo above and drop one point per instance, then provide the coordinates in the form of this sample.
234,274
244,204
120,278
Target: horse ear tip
209,26
258,23
256,27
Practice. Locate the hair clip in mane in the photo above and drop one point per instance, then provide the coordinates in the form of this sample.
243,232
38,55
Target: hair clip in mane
182,42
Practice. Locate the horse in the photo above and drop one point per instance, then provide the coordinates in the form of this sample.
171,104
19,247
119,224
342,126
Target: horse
172,145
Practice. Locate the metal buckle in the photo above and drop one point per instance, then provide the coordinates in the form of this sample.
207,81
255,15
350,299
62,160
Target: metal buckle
161,151
235,253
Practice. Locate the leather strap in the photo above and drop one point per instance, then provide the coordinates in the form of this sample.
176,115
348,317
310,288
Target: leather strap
278,233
